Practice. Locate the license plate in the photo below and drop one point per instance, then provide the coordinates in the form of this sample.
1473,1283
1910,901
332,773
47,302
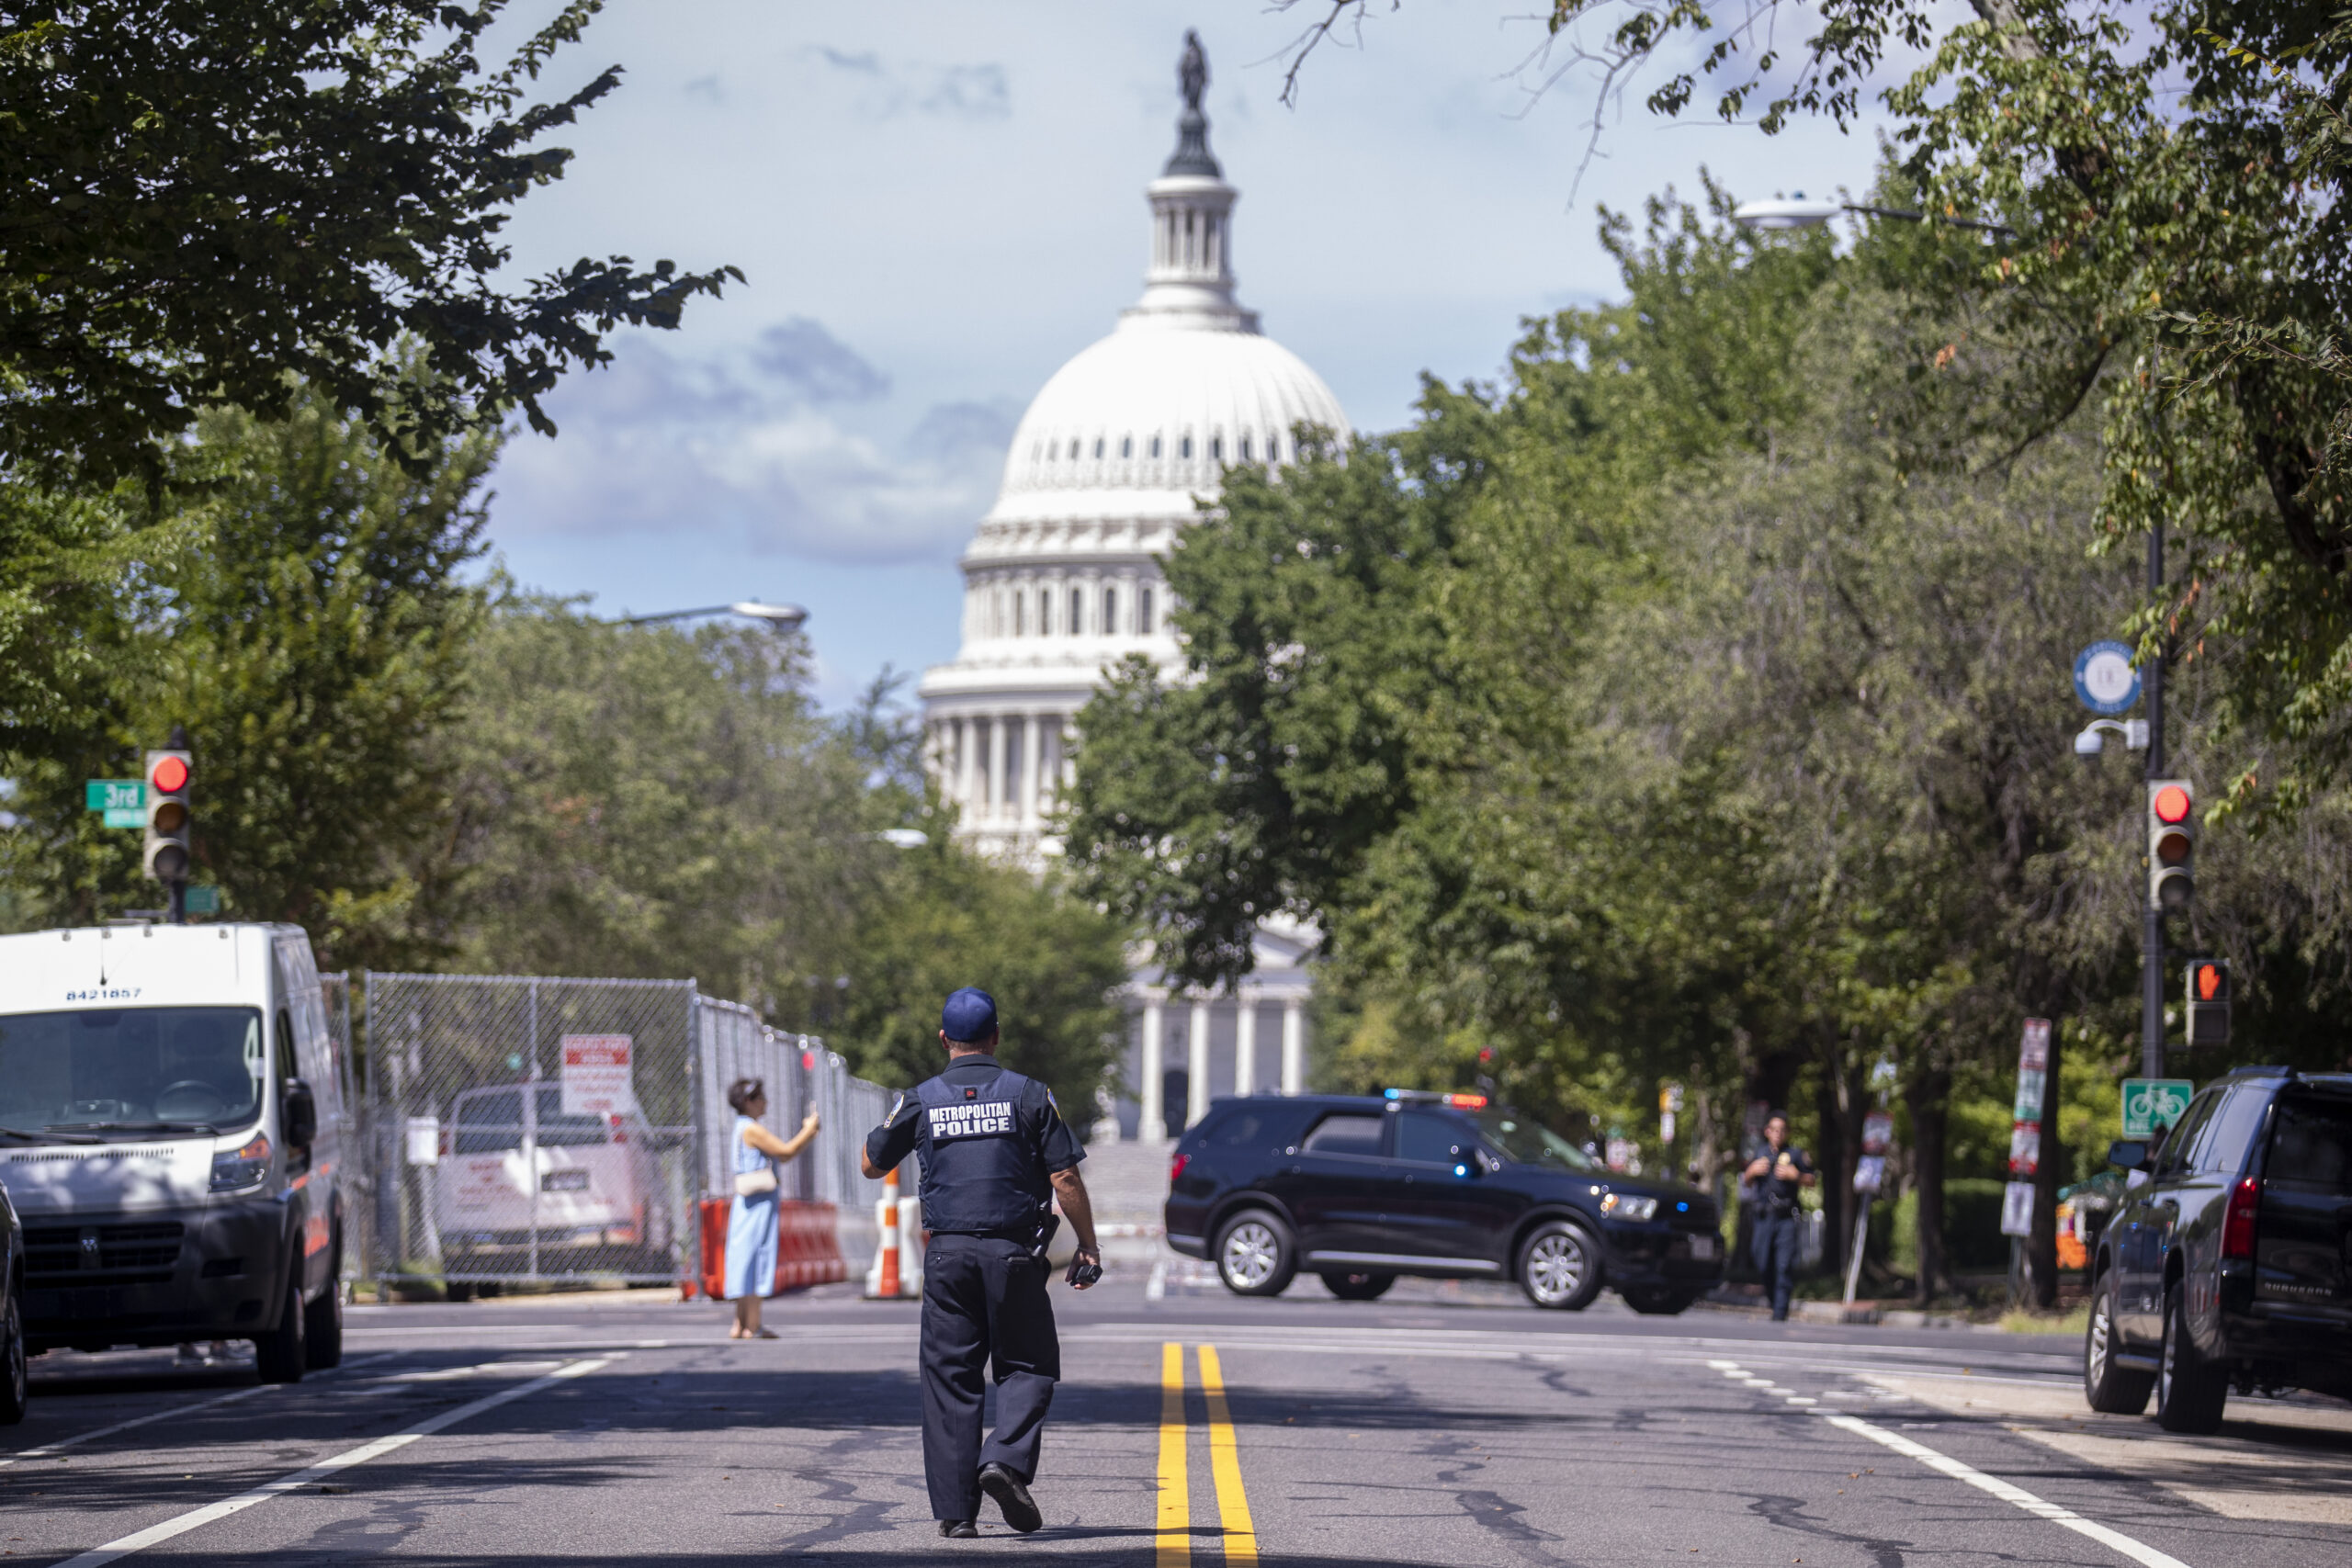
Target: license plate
564,1182
1703,1248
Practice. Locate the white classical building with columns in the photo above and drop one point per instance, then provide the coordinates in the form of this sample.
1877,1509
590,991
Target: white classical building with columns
1115,456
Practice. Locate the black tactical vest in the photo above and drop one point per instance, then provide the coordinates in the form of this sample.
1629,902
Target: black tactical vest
982,1172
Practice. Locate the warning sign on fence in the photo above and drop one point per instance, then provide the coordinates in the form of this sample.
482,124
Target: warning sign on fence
596,1075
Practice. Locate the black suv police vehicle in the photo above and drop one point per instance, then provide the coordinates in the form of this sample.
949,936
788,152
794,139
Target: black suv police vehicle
1360,1190
2231,1263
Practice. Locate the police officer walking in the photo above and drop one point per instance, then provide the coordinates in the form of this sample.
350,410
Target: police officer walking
995,1154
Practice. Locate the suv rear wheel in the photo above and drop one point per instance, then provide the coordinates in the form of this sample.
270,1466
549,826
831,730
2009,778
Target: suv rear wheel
1358,1287
1255,1256
2190,1391
2110,1389
16,1377
1559,1267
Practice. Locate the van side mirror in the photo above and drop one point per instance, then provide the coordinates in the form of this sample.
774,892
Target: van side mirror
298,1117
2131,1154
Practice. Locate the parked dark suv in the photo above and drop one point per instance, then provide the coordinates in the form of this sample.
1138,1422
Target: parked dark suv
2231,1263
1360,1190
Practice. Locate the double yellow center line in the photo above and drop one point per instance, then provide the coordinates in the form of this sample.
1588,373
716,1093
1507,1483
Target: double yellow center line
1174,1539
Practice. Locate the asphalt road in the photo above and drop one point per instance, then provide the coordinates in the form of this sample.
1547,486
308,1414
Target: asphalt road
1443,1425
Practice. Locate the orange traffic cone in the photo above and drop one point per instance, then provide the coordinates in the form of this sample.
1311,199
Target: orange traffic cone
887,1286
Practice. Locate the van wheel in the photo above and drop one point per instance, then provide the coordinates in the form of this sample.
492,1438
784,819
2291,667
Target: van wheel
279,1356
15,1377
1559,1267
1254,1255
2109,1389
1359,1287
322,1321
2190,1391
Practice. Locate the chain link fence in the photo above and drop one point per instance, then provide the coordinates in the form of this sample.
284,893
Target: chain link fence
533,1128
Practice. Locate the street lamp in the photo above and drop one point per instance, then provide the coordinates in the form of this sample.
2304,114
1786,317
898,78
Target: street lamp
1801,212
779,617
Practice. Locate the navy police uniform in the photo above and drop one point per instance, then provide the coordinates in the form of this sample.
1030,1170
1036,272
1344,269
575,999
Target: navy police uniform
990,1139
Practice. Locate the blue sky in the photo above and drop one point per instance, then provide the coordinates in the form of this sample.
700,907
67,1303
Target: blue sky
936,202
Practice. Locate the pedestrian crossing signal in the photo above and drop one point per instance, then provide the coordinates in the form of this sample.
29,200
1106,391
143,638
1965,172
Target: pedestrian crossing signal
2208,1001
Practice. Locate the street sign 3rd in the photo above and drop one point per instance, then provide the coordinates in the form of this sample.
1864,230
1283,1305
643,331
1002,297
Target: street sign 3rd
115,795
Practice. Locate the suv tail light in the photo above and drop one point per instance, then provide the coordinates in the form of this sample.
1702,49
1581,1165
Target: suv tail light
2237,1225
1176,1164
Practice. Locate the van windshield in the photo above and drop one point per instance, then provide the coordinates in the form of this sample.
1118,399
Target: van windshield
131,1070
1520,1138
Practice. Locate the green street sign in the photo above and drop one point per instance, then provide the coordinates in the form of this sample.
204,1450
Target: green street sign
115,795
202,901
126,817
2148,1101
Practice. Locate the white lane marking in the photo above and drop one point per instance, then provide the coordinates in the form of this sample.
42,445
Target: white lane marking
1156,1288
141,1539
2017,1496
2137,1551
46,1450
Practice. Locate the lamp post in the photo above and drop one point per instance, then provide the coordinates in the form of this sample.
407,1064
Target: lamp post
780,618
1801,212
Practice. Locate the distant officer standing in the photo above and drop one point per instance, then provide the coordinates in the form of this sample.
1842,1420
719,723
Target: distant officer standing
995,1154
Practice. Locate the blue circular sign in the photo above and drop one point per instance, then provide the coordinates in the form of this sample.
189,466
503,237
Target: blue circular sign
2105,678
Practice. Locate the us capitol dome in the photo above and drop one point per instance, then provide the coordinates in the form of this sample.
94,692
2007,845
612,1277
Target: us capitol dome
1111,459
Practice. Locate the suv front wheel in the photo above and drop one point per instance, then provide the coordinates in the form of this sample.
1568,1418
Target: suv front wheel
1255,1256
1559,1267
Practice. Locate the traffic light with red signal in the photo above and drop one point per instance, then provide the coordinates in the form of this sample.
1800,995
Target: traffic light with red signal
2172,845
170,777
2208,1001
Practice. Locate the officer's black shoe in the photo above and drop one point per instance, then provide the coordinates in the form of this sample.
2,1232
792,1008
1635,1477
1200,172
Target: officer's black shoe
958,1530
1019,1510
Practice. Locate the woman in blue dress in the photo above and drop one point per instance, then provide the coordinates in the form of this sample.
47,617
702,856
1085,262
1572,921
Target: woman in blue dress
751,1219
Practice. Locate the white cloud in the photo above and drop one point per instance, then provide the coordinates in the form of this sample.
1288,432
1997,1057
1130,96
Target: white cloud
755,452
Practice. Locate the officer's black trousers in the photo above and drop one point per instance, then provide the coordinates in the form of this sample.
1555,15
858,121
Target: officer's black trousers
982,1296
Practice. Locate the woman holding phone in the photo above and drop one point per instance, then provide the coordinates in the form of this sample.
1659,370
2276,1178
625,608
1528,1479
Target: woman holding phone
753,1219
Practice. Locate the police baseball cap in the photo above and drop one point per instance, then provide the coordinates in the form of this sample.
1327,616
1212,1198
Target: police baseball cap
970,1015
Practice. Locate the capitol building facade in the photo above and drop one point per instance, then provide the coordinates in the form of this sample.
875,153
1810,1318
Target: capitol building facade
1114,457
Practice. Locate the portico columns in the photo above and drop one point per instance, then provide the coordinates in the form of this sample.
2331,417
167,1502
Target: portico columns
1196,1066
1293,1047
1152,1127
1245,1043
999,730
1031,765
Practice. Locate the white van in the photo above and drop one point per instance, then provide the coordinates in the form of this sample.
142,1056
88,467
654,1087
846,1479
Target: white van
525,1188
172,1105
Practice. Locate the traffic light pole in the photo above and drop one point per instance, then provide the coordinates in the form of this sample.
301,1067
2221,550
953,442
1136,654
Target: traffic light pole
177,914
2152,941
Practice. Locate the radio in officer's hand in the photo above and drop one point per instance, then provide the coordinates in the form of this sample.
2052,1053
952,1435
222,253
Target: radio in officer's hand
1082,1274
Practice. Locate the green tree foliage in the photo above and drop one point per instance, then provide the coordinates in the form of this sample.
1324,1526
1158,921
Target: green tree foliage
651,801
1724,730
944,919
203,199
310,631
2174,180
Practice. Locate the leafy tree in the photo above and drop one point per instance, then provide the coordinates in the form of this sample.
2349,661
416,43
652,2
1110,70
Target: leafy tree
201,200
941,919
310,631
651,801
2182,256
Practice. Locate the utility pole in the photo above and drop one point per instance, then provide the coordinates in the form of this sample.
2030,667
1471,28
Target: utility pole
2152,943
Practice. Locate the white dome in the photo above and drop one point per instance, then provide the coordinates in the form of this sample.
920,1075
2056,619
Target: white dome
1157,407
1108,466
